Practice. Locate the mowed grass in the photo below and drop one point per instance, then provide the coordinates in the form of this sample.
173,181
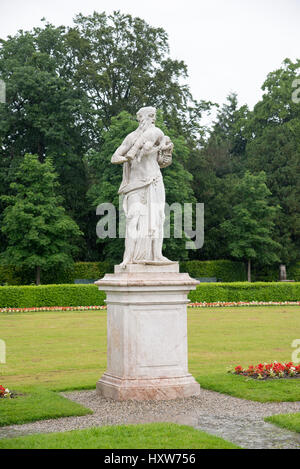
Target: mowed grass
38,404
67,350
157,436
56,350
221,337
289,421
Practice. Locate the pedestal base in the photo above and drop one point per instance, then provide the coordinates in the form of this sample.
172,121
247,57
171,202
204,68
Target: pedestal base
147,333
122,389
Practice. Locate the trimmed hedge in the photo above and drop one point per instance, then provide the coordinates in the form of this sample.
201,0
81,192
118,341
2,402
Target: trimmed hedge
80,270
244,291
50,295
89,295
226,271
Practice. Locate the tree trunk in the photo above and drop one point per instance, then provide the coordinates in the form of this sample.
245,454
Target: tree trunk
38,275
249,270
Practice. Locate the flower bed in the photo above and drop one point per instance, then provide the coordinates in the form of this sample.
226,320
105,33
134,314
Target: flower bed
5,393
244,303
268,370
203,304
51,308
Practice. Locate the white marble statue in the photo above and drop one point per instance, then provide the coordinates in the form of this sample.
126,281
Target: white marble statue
143,153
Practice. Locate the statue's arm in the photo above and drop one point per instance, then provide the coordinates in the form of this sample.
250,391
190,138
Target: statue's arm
119,155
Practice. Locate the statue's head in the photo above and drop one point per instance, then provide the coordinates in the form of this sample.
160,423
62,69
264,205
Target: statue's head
146,115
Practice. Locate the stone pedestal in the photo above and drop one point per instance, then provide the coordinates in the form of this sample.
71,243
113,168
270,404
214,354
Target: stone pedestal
147,333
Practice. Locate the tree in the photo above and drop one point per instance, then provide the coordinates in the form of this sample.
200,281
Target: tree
216,168
123,64
64,85
251,225
228,132
273,146
44,114
39,234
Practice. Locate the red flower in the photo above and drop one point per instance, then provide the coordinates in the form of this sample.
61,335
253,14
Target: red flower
279,369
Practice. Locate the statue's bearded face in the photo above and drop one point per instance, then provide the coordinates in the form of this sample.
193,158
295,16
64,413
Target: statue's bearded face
146,116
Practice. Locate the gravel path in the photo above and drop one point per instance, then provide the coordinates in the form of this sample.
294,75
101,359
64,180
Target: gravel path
234,419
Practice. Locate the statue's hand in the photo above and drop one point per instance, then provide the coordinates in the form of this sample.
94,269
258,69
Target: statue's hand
168,148
118,159
165,161
165,154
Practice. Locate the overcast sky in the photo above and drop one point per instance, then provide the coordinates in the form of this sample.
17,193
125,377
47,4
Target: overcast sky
228,45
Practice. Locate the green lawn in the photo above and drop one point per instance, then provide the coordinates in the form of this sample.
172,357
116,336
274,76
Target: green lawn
289,421
38,404
67,350
276,390
57,350
155,435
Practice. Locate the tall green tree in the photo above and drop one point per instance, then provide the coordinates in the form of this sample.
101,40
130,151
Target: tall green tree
250,227
39,234
123,64
64,85
274,146
216,168
228,135
44,113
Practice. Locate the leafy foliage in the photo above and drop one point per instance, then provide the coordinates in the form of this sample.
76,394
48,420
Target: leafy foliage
89,295
245,291
72,93
250,227
50,295
275,148
222,270
123,64
227,271
39,233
